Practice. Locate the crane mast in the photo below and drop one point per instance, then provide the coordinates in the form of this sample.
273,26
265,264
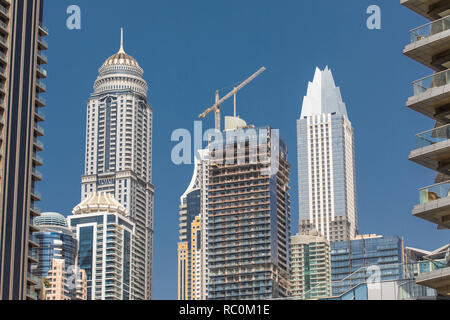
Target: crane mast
219,102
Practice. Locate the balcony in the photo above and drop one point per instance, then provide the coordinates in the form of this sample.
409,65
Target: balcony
38,161
438,279
43,30
40,100
41,87
33,279
37,175
435,205
35,195
4,12
432,96
430,9
35,211
43,44
32,295
39,130
430,44
40,115
42,73
42,57
433,149
38,145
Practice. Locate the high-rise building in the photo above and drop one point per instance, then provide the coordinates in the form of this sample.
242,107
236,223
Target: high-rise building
367,256
64,283
429,45
310,266
56,243
248,215
192,245
57,288
119,155
105,237
326,163
21,87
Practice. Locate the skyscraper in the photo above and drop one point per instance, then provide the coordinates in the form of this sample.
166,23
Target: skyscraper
105,238
429,45
56,242
192,245
119,154
326,163
21,86
248,216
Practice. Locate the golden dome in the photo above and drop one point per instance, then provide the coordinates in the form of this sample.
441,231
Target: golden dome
121,57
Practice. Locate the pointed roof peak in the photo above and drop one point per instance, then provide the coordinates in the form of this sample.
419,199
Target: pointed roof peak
323,95
121,50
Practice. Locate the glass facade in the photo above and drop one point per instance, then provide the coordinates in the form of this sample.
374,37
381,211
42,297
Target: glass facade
351,261
55,242
105,253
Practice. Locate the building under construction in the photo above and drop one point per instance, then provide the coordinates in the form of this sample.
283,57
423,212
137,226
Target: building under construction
248,217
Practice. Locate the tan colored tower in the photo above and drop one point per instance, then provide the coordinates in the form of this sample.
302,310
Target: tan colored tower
310,266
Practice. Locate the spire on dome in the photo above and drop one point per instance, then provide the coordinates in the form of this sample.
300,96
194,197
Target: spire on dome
121,41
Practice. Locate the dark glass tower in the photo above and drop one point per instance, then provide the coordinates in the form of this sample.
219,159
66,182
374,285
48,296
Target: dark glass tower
21,46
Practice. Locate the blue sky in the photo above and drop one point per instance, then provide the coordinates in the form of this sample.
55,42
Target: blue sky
189,49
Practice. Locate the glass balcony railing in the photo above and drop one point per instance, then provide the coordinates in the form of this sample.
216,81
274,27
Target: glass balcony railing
43,27
434,192
39,128
434,81
43,41
41,84
4,10
42,55
38,143
433,136
41,98
32,294
430,29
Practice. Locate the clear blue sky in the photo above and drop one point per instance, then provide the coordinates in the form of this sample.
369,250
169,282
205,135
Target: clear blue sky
189,49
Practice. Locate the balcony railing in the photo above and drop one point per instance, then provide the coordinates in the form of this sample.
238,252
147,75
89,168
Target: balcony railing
38,174
43,41
434,192
43,27
41,84
434,81
433,136
4,10
39,128
430,29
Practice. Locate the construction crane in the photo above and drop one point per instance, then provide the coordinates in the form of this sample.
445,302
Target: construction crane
219,102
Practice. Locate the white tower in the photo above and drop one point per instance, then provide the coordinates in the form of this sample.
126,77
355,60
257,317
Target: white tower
119,154
326,164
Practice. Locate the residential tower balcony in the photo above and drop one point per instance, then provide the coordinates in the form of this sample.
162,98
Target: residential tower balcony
435,205
438,279
430,9
430,44
432,96
433,149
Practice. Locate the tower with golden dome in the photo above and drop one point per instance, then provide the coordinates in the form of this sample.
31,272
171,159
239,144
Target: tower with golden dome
118,157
